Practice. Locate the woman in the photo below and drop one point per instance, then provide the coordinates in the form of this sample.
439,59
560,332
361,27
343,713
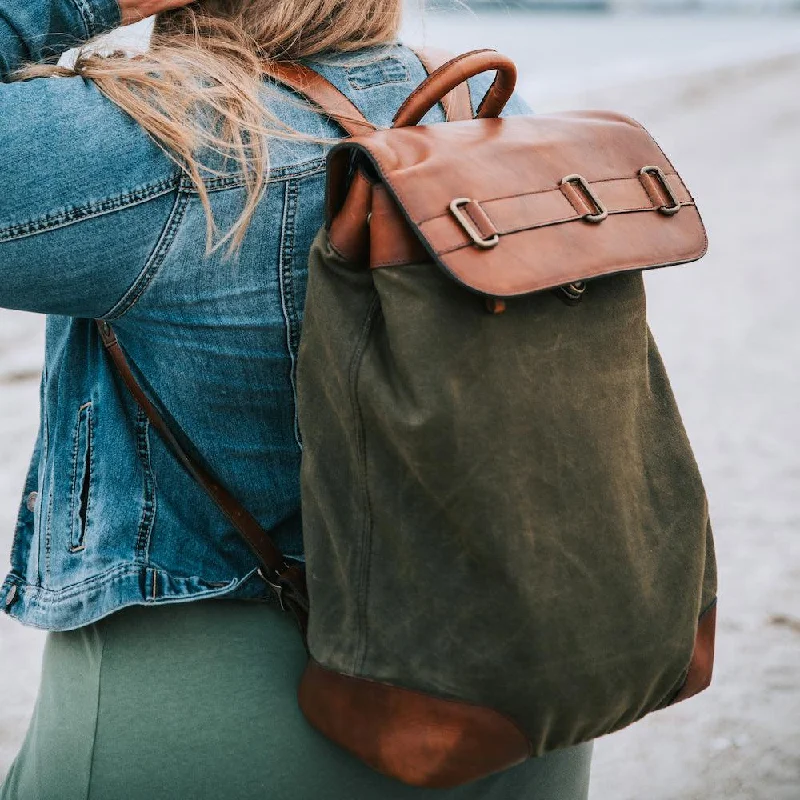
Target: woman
177,194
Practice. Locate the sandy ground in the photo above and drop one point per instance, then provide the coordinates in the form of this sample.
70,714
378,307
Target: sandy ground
730,334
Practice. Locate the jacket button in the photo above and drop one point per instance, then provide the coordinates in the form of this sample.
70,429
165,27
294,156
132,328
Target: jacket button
30,502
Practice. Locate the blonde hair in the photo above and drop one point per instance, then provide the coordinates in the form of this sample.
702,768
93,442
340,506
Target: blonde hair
199,87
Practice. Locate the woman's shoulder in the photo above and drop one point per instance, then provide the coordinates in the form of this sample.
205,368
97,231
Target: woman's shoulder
376,80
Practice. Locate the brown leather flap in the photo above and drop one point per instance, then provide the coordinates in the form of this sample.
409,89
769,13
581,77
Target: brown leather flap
489,201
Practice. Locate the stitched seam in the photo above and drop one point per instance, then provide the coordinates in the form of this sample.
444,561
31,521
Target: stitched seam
75,214
154,262
48,527
288,306
359,654
87,17
147,520
37,595
276,175
395,263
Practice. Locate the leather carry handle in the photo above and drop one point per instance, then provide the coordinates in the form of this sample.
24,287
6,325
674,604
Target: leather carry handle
450,75
280,576
458,103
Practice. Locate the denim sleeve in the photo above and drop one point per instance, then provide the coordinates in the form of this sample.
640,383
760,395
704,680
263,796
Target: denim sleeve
41,30
86,197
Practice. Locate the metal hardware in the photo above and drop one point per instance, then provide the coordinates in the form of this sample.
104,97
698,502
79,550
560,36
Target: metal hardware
574,290
674,204
469,226
571,293
583,185
276,587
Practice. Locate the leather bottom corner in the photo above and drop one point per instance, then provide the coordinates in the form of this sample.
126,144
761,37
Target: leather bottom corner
701,667
419,739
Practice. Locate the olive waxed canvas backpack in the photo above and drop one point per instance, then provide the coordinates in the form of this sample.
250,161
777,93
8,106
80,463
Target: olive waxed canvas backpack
507,541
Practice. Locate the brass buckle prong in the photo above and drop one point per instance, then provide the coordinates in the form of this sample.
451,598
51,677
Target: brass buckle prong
674,204
601,211
469,226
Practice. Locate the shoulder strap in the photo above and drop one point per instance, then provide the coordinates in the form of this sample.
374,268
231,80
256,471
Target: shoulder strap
322,93
281,577
333,103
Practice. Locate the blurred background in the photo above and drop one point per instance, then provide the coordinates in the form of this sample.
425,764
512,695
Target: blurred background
717,82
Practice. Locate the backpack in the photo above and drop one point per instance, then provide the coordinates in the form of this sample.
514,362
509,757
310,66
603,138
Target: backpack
507,541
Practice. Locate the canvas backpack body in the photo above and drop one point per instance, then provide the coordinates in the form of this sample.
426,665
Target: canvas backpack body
507,541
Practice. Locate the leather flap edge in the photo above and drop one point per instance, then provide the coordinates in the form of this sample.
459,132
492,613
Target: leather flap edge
518,205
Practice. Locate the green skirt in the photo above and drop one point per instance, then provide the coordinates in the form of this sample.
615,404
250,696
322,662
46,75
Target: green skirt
198,701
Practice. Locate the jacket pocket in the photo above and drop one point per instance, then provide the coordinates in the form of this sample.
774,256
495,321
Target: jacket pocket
80,492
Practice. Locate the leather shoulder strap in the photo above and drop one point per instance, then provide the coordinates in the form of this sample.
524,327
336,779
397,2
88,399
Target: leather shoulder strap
280,575
334,104
458,103
322,93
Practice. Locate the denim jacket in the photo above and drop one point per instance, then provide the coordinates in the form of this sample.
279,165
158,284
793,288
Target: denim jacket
97,222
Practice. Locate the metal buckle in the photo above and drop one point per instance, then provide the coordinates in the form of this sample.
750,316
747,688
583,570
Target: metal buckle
469,226
574,291
674,204
578,180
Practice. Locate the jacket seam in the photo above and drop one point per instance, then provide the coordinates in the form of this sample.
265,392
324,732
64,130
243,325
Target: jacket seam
75,214
87,17
154,261
286,283
149,502
276,175
40,596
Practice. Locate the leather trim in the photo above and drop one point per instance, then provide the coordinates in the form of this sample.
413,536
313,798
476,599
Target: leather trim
512,171
417,738
701,667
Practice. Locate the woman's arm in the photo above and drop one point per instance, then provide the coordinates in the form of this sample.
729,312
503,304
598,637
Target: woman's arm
33,31
87,199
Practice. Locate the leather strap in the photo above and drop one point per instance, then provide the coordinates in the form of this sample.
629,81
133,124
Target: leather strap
456,71
323,94
458,103
281,576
